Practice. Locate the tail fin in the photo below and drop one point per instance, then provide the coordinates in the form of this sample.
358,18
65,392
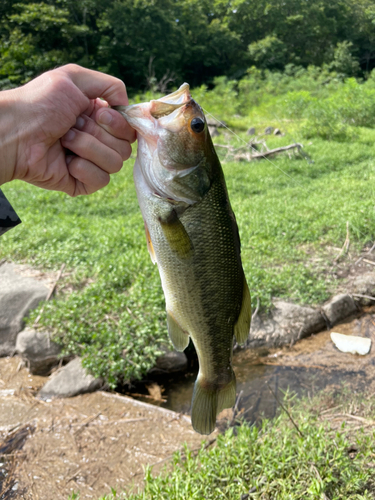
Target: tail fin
208,402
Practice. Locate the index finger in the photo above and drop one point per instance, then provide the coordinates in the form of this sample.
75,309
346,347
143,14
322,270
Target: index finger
95,84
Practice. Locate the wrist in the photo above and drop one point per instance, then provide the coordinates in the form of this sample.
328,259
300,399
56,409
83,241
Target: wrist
9,135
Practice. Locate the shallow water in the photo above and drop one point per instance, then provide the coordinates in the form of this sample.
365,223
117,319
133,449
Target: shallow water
311,366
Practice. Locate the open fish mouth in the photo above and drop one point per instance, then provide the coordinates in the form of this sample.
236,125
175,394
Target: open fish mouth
157,108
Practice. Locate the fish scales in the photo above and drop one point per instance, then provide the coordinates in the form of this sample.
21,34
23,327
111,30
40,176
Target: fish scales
193,237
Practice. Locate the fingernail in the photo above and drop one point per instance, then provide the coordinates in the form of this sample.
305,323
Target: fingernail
105,118
69,136
80,123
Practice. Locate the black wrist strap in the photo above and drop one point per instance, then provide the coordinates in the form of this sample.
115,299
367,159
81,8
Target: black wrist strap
8,217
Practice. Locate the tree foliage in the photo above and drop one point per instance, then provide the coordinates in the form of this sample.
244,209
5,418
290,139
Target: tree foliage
142,41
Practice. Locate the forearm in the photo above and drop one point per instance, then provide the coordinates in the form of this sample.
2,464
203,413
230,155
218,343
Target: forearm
9,134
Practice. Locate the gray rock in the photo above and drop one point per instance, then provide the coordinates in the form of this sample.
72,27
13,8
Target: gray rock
170,362
18,296
339,308
37,348
364,284
213,122
286,324
70,381
250,131
269,130
213,131
277,131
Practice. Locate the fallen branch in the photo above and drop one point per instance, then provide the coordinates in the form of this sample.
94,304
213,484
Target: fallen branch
259,156
369,262
363,296
368,253
355,417
147,396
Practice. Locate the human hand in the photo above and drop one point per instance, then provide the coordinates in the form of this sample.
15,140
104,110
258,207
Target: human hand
56,133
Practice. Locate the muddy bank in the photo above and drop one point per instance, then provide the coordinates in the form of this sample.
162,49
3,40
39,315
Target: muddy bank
89,443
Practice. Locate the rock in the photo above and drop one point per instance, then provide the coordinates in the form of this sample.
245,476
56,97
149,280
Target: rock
269,130
18,296
286,324
277,131
250,131
38,350
70,381
364,284
339,308
170,362
213,122
351,343
213,131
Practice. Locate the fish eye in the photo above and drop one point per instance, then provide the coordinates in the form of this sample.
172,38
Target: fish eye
197,125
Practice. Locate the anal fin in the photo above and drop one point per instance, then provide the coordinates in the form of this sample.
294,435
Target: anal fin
179,338
242,327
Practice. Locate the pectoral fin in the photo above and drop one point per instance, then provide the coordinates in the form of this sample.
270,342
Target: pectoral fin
150,247
176,235
242,327
179,338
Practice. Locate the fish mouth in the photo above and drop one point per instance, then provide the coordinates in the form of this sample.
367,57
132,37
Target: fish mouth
157,108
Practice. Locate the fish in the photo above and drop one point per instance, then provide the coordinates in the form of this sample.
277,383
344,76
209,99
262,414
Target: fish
192,236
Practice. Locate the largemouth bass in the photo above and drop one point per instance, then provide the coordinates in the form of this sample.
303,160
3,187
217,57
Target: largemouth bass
193,237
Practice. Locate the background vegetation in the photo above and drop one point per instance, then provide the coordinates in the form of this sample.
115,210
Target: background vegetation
304,67
292,213
147,42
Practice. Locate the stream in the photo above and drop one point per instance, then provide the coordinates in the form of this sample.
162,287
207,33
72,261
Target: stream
313,365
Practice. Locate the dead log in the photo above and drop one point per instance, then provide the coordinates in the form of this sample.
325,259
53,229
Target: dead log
258,156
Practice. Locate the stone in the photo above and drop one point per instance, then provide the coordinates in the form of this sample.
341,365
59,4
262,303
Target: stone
213,131
250,131
339,308
170,362
38,350
70,381
18,296
364,284
277,131
213,122
286,324
269,130
351,343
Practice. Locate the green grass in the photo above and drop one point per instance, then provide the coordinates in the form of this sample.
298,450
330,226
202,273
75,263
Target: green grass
273,461
292,215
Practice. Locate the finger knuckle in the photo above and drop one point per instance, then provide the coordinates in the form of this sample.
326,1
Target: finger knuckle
117,164
126,152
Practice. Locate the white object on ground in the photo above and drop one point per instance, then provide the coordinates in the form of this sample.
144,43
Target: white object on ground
350,343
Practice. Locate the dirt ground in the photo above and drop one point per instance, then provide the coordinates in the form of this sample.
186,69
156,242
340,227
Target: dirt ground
85,444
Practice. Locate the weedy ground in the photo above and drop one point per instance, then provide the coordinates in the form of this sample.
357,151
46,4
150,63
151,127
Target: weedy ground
293,214
330,456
